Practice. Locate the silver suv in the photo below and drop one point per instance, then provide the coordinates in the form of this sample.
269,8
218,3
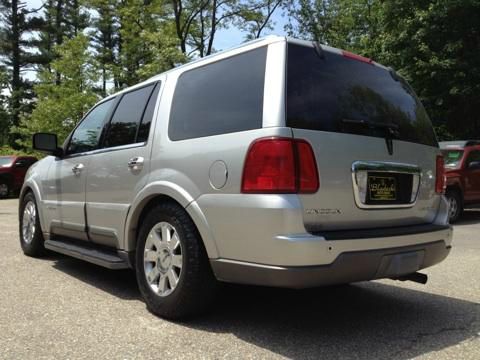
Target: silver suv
280,163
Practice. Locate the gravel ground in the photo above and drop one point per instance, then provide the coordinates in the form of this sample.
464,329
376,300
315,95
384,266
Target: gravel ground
60,307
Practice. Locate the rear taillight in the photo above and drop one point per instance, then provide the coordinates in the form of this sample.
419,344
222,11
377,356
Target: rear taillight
280,165
307,167
440,181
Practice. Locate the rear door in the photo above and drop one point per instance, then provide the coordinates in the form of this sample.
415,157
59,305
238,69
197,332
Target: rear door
374,144
121,168
472,176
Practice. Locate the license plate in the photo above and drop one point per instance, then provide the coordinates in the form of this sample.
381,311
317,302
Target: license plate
382,188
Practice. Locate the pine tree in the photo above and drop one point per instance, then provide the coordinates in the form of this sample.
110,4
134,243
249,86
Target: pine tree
62,19
105,39
15,56
60,106
147,44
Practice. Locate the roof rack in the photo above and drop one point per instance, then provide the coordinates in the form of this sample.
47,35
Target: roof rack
458,143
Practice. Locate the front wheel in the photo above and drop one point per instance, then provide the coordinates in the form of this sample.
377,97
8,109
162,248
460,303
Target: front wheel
31,237
173,272
4,189
455,205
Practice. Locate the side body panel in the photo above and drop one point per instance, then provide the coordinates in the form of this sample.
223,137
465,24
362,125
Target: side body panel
64,197
36,180
470,176
183,170
112,187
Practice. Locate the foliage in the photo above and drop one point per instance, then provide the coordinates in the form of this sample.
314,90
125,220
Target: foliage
148,43
16,55
7,150
84,49
61,105
434,44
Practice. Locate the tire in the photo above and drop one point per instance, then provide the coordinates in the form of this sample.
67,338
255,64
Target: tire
455,205
172,267
31,237
4,189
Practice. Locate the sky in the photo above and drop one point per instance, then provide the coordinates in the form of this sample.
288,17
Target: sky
225,38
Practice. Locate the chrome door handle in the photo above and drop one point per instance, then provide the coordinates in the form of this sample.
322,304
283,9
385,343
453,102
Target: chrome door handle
136,163
77,169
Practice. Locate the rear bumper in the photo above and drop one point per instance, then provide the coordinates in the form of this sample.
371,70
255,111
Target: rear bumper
270,229
352,266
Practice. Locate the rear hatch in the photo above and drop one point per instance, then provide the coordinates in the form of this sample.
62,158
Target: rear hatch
373,141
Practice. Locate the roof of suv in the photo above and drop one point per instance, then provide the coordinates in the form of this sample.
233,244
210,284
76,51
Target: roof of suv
458,144
249,45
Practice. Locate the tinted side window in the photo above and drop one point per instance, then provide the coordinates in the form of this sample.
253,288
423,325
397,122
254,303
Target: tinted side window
473,156
126,119
148,115
219,98
87,134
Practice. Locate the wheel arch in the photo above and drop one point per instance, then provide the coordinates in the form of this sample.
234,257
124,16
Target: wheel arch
163,191
455,187
8,178
32,187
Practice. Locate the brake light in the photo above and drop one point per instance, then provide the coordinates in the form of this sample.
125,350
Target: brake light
307,167
441,180
280,165
353,56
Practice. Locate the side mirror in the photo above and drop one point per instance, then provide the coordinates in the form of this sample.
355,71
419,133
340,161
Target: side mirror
47,143
474,165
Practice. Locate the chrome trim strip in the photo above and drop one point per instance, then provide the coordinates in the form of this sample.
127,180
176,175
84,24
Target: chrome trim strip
104,150
383,166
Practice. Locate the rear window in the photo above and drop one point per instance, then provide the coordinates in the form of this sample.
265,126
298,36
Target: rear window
219,98
452,157
338,94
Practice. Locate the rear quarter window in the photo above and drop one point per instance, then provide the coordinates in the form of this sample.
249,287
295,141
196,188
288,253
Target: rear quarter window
219,98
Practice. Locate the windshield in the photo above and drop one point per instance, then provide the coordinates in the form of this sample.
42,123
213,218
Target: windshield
334,93
452,157
6,161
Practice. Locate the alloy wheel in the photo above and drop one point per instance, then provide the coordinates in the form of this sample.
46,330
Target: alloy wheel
163,259
29,222
452,207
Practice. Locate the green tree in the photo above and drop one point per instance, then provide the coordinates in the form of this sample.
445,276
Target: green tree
147,44
105,39
434,44
197,22
4,115
16,54
61,106
354,25
61,19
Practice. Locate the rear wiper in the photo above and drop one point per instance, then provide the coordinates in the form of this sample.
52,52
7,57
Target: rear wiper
392,129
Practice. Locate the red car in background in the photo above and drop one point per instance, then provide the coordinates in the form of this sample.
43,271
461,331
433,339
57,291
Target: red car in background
462,169
12,172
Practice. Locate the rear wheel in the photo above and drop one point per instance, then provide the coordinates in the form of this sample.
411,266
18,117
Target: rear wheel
173,272
455,204
31,237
